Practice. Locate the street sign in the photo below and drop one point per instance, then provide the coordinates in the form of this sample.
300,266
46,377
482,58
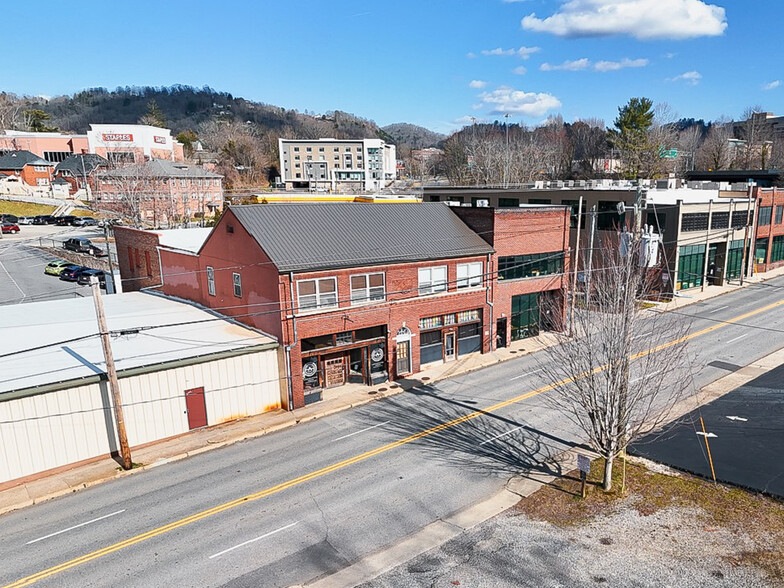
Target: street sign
583,463
668,153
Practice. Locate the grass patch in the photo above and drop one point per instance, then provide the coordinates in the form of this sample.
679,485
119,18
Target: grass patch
760,517
24,208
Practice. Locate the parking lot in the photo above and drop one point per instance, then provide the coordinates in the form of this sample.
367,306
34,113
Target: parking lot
22,263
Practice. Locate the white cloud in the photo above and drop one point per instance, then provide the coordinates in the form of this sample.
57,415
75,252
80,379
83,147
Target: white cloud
771,85
642,19
575,65
467,120
522,52
477,84
519,70
514,1
690,77
471,55
669,55
616,65
508,100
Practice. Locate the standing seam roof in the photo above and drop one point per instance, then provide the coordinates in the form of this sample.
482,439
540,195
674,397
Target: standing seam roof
308,237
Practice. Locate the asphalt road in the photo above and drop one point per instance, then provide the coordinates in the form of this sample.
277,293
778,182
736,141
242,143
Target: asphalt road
304,502
746,437
22,263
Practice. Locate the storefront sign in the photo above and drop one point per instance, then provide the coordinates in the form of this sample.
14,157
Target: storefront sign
118,137
310,373
161,140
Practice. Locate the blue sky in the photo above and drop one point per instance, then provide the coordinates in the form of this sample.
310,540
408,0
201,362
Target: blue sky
435,63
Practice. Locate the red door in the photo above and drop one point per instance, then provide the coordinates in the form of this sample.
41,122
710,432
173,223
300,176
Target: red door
196,408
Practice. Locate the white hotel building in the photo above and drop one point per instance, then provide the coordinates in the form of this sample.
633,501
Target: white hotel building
338,165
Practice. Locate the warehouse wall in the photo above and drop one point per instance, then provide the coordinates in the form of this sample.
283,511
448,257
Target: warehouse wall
55,429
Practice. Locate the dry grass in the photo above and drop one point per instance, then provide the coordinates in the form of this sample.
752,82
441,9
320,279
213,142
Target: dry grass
24,208
759,517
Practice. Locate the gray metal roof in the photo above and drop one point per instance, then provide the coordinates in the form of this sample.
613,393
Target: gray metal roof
81,164
161,168
319,236
18,159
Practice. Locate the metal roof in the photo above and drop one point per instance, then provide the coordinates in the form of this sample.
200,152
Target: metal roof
161,168
81,164
50,323
311,237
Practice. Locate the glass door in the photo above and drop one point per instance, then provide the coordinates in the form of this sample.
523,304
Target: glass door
449,346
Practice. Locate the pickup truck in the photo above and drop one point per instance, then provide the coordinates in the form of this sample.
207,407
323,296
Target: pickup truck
82,245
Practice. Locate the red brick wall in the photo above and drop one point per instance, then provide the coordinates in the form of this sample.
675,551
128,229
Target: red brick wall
182,276
768,197
134,247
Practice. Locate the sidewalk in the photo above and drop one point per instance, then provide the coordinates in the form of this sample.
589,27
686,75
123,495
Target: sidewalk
50,484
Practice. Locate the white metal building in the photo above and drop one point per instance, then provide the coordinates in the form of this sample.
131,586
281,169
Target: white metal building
55,404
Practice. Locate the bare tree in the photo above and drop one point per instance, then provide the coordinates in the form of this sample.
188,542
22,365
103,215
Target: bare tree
756,135
626,367
10,111
714,153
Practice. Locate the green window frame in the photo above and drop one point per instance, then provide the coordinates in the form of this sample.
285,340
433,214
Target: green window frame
777,249
525,316
516,267
691,265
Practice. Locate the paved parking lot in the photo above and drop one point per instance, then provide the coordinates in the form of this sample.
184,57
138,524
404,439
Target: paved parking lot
22,263
745,431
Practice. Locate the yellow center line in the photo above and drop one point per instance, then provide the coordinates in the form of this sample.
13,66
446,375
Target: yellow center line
32,579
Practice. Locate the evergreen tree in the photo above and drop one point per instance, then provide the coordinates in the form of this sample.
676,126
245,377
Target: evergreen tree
154,115
631,136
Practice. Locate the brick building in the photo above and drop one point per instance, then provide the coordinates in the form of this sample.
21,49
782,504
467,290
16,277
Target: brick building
364,293
160,192
138,252
80,172
31,169
769,229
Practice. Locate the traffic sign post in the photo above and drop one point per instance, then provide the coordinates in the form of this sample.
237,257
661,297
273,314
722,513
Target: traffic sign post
584,465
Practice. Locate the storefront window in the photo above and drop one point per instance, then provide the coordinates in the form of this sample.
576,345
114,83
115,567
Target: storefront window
430,347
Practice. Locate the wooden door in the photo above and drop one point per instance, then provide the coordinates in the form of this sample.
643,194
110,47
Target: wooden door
334,372
196,408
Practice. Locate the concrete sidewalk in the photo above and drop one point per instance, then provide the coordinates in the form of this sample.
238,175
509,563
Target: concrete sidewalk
52,483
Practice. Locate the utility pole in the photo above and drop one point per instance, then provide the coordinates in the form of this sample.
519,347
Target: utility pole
746,244
114,386
575,261
590,257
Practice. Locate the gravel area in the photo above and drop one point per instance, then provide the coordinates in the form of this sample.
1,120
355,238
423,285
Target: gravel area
673,547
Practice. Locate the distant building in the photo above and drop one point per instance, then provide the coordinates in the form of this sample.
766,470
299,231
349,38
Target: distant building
160,192
359,165
30,168
53,147
122,144
79,171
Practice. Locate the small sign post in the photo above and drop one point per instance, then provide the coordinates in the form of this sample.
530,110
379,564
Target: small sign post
584,465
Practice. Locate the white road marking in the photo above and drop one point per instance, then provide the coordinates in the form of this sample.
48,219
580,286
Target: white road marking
646,376
719,308
738,338
737,418
501,435
75,527
707,434
362,431
253,540
524,375
13,281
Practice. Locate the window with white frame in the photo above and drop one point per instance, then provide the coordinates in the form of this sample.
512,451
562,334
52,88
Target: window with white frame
367,288
469,275
237,285
317,294
432,280
210,281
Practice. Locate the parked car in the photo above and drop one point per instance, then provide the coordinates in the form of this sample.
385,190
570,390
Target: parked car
9,218
64,221
110,222
84,221
10,228
26,220
82,245
71,274
55,268
44,219
85,276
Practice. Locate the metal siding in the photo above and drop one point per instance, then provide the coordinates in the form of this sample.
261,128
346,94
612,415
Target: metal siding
355,235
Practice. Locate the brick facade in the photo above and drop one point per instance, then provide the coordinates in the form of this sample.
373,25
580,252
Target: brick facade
772,233
248,286
137,257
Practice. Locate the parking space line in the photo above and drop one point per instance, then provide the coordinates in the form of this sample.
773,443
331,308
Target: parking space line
75,527
252,540
361,431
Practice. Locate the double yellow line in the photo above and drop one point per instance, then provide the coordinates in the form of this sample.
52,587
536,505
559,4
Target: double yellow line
32,579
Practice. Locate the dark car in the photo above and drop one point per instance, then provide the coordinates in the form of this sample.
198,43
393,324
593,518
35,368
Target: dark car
44,219
85,276
10,227
64,221
82,245
9,218
71,274
84,221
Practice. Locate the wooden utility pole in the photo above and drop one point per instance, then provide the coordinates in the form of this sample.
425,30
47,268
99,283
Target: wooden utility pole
575,261
114,386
